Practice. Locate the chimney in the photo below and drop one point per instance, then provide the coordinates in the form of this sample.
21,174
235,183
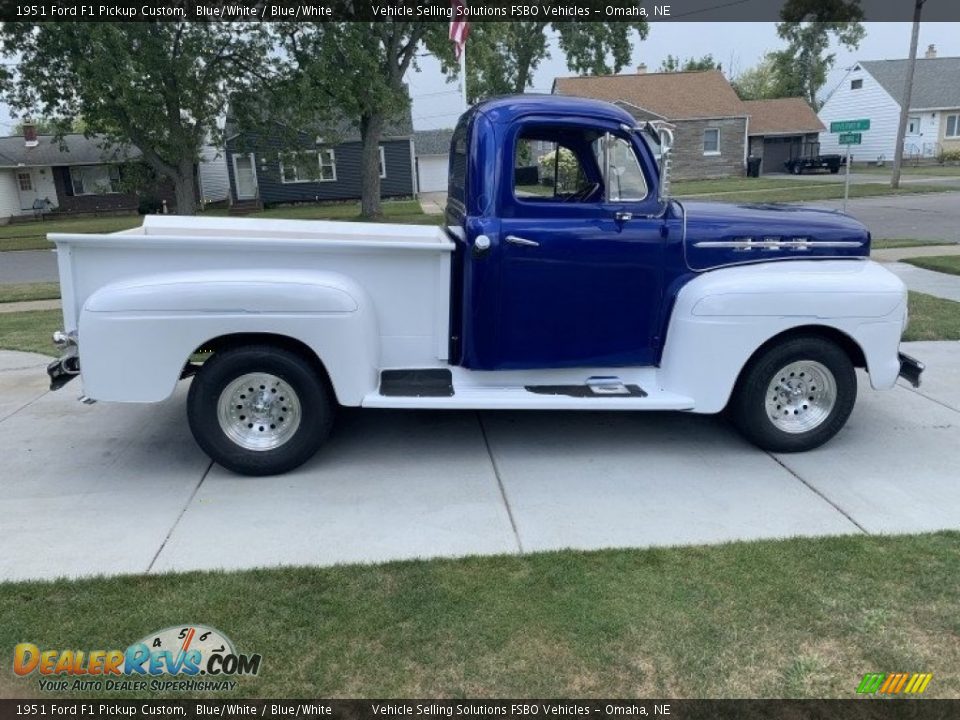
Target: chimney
931,52
30,134
642,69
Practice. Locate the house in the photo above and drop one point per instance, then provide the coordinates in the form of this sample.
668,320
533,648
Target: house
264,170
84,175
780,129
75,175
710,137
432,148
874,90
715,130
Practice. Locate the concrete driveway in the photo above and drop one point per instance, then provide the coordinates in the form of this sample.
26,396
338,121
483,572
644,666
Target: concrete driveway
123,489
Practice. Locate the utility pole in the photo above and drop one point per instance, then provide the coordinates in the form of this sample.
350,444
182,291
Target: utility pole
907,92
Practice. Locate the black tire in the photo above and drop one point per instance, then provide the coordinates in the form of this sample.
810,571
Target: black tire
834,170
750,413
294,372
797,169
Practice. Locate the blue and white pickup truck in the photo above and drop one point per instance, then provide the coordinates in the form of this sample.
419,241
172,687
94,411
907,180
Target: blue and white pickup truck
564,277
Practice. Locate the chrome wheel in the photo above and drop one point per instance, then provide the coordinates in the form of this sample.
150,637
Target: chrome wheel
801,396
259,411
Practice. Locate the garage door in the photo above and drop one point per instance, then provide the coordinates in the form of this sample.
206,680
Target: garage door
432,173
776,151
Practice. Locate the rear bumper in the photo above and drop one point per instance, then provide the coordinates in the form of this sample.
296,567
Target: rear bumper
67,366
910,369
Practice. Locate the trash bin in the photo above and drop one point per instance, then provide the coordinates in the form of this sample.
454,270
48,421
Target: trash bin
753,166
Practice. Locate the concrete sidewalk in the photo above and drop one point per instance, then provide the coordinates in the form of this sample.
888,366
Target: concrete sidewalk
123,488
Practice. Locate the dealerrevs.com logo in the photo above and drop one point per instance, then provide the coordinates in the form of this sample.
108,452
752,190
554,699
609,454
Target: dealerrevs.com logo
200,657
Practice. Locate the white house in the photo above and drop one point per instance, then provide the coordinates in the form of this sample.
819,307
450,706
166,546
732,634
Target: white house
874,90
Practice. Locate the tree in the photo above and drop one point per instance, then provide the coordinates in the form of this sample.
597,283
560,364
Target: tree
502,57
355,70
808,27
160,86
50,126
761,82
675,64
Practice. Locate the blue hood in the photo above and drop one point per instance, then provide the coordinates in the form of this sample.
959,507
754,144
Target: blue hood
719,234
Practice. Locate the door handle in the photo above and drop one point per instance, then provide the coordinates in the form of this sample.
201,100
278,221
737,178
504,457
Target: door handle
516,240
622,216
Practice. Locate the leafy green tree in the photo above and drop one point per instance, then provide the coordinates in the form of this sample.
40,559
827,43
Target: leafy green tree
761,82
355,70
808,26
503,57
160,86
51,126
675,64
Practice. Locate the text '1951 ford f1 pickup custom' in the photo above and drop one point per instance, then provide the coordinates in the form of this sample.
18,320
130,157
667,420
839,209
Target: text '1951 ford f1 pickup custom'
564,277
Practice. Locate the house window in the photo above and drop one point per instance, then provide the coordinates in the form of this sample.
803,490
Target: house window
711,141
856,84
25,181
953,126
308,166
383,164
95,179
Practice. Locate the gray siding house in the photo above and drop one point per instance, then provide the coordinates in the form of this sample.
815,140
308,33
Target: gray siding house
265,168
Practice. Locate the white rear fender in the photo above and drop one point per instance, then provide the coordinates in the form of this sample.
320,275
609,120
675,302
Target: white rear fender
135,336
721,318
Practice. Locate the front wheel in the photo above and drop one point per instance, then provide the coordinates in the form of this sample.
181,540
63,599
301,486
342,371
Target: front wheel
259,409
795,396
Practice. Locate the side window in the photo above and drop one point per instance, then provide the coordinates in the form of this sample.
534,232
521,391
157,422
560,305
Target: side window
458,164
549,169
622,175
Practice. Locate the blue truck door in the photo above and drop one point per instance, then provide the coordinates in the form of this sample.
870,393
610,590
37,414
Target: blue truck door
580,265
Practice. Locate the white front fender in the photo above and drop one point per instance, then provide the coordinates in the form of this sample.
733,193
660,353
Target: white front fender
135,336
722,317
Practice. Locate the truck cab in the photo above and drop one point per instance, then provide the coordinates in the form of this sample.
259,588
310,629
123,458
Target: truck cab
564,277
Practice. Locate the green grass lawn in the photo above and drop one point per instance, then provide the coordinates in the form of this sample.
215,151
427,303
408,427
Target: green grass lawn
29,291
790,618
734,184
806,192
33,235
929,170
932,318
905,243
941,263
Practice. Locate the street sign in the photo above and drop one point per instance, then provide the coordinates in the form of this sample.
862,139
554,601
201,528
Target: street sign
851,138
847,126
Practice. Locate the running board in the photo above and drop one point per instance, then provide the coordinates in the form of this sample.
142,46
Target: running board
485,397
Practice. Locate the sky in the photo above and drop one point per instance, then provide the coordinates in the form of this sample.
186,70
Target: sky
737,46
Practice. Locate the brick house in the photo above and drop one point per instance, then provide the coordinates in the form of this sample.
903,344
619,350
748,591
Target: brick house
714,128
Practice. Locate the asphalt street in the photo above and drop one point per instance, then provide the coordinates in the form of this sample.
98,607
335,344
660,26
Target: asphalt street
122,488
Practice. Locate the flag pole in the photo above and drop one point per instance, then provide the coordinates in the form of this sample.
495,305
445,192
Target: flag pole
463,75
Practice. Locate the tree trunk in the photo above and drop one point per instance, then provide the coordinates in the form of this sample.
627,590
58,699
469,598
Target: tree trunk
371,130
185,189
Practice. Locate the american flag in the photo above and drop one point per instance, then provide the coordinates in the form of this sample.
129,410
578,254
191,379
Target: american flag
459,27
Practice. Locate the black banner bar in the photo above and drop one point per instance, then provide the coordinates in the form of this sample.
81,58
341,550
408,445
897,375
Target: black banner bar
862,709
478,10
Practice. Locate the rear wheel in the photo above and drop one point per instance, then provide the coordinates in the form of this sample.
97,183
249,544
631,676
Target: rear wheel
797,169
795,396
259,409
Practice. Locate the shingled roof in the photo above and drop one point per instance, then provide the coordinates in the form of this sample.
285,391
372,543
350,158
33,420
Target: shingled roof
935,81
673,95
73,150
782,116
